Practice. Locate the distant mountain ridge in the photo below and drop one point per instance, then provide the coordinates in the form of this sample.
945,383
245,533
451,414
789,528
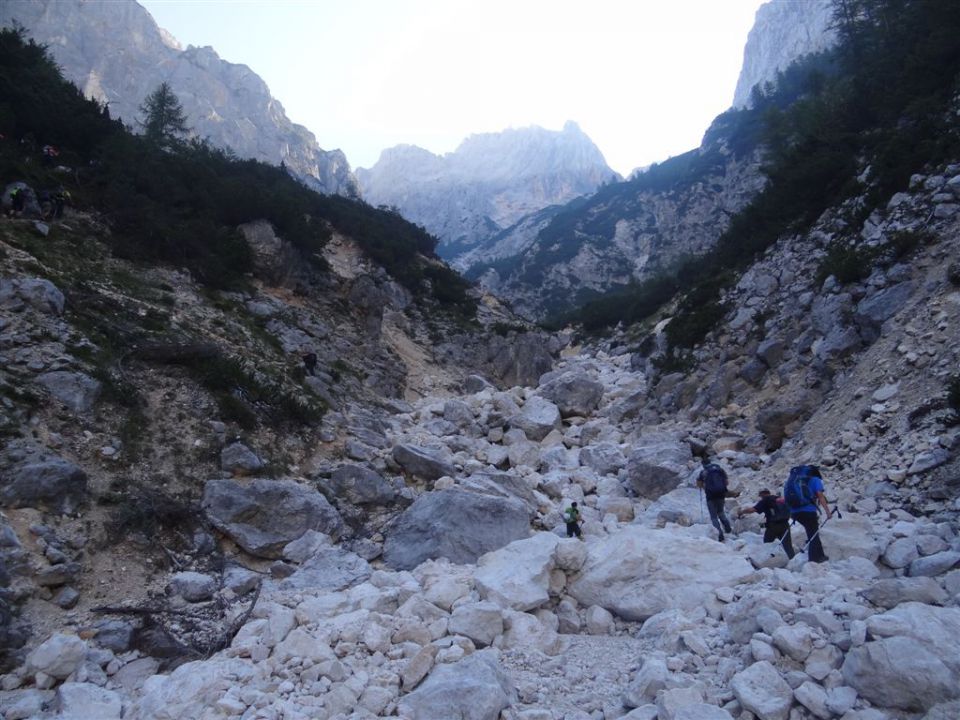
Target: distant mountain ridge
117,54
488,183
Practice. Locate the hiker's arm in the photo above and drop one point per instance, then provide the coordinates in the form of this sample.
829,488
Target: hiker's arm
822,499
746,510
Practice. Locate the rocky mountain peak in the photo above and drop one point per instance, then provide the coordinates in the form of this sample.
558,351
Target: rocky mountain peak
488,183
783,31
116,54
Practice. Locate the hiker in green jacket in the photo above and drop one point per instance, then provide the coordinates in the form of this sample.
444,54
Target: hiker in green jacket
572,517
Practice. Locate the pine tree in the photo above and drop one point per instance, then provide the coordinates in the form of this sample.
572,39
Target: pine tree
164,121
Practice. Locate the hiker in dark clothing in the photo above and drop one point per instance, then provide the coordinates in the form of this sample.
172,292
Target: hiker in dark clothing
777,520
572,517
310,362
16,202
60,198
713,482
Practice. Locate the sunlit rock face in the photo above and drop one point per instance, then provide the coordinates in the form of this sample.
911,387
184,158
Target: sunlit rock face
783,31
117,54
486,185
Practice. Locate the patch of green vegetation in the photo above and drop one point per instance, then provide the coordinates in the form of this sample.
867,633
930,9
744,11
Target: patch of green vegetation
503,329
241,394
149,513
847,262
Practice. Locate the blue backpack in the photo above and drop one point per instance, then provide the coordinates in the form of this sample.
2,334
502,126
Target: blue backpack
714,480
796,491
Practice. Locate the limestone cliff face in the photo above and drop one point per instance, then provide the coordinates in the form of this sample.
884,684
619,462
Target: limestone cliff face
783,31
487,184
116,54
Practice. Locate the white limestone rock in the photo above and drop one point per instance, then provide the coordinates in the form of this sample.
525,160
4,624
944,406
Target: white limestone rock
637,572
761,690
57,656
518,575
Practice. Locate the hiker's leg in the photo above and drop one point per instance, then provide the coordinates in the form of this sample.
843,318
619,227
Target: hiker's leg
712,509
721,512
811,524
571,529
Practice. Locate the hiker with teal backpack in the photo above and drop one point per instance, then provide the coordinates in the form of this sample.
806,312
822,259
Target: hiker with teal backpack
803,494
776,527
713,482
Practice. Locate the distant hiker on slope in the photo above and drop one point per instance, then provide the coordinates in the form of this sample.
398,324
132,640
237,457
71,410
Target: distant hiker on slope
777,519
572,517
713,482
309,361
803,493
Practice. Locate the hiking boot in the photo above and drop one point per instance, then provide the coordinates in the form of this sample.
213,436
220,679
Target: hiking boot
721,536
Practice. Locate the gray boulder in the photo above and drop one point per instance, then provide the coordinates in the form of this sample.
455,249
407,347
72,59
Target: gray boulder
58,656
422,463
40,294
658,466
455,524
915,661
537,418
75,390
264,515
474,688
519,359
934,565
761,690
328,567
890,592
777,423
237,458
54,484
603,458
193,586
360,485
876,309
771,352
575,393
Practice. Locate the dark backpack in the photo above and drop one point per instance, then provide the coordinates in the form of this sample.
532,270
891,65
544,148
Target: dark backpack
796,491
714,480
779,512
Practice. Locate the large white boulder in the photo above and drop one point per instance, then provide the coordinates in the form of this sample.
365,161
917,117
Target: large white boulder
190,689
914,663
761,690
850,536
474,688
58,656
518,575
637,572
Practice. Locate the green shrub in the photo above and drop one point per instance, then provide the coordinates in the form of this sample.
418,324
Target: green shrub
847,262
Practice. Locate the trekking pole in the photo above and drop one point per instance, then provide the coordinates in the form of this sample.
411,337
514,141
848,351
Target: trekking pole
701,505
810,539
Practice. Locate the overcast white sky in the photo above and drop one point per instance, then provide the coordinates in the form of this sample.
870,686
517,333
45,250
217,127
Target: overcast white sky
643,78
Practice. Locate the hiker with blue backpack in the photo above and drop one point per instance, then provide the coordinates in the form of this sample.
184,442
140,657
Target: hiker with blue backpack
712,481
776,526
803,494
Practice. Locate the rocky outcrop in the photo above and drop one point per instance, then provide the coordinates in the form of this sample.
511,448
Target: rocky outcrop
262,516
453,524
782,32
488,183
116,54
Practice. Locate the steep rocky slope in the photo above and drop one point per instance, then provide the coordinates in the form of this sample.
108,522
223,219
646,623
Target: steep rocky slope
783,31
487,184
116,54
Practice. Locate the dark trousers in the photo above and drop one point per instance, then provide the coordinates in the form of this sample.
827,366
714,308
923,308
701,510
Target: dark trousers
780,532
811,523
717,515
573,529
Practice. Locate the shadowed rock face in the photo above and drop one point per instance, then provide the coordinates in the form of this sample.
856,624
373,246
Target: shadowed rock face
116,54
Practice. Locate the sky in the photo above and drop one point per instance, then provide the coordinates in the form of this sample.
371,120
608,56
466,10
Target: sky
642,78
